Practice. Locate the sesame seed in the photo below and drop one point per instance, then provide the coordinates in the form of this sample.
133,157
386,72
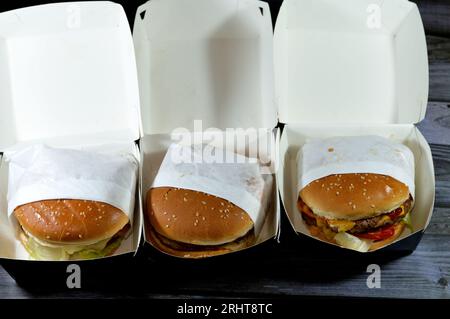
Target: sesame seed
372,205
173,216
323,185
354,206
337,193
164,213
203,218
167,226
221,203
80,236
203,202
185,199
197,214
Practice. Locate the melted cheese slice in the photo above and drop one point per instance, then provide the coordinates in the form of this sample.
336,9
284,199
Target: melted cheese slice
341,225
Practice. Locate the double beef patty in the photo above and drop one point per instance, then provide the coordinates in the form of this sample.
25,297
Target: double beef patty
364,225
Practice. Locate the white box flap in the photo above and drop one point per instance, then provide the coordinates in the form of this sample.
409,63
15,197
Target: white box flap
350,61
209,60
66,70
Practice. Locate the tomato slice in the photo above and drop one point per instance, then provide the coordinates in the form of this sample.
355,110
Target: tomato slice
379,234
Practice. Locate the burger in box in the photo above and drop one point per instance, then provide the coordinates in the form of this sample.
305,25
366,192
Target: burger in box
71,204
199,206
356,192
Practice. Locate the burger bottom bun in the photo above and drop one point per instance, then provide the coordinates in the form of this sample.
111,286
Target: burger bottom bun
182,250
398,230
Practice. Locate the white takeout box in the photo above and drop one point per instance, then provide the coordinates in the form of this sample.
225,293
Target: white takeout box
348,68
68,79
208,60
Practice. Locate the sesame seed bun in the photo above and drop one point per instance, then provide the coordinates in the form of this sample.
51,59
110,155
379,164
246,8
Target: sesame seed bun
354,196
70,221
195,218
398,230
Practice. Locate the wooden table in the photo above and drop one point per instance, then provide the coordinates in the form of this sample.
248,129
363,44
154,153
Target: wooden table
288,271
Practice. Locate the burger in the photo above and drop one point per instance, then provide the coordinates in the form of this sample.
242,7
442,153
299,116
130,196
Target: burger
360,211
70,229
192,224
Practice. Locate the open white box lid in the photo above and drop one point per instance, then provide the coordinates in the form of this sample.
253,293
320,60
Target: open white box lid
209,60
350,61
67,70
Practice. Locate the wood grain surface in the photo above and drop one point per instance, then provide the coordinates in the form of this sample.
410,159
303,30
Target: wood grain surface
287,270
435,16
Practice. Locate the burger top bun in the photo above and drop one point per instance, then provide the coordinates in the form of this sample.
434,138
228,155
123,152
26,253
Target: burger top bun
354,196
70,221
194,217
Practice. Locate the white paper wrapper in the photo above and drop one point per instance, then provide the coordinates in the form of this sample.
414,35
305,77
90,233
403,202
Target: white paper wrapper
239,182
43,173
356,154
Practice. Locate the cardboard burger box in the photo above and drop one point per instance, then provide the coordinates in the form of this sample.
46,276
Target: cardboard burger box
208,60
68,79
350,68
72,67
